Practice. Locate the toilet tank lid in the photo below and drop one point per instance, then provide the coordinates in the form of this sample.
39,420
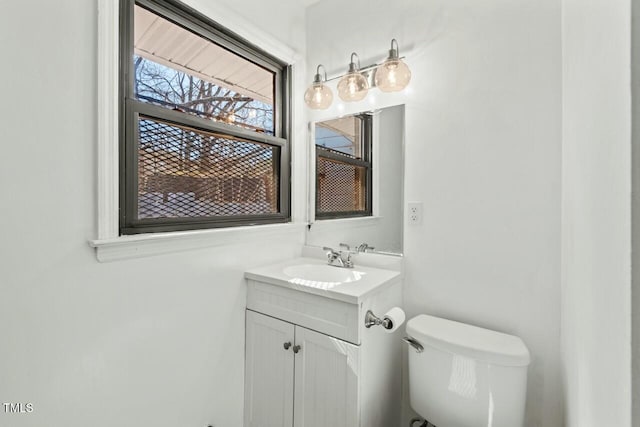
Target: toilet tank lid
469,341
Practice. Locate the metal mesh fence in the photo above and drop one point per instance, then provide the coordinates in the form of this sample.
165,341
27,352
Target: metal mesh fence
189,173
340,187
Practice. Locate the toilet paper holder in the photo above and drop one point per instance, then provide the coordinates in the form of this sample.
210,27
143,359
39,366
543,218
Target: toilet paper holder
371,319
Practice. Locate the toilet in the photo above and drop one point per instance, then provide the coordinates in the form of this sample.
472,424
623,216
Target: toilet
465,376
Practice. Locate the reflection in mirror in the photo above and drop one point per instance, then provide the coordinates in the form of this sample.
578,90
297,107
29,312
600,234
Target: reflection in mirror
343,167
343,135
357,187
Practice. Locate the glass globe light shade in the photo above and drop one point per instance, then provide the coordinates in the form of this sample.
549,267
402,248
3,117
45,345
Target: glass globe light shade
318,96
353,87
392,76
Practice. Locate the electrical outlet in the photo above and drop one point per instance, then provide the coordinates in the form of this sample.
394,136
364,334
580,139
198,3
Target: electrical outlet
415,213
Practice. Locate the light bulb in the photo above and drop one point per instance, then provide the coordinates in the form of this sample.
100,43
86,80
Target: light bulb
392,76
318,96
353,87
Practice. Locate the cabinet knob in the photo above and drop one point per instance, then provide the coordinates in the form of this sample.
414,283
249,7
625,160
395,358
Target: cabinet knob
287,345
296,348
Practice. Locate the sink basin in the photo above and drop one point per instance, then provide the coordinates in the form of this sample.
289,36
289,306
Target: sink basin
315,276
321,276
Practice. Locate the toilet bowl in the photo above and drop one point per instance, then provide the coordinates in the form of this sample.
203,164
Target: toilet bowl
465,376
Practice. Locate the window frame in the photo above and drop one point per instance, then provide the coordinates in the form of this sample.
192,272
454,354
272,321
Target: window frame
366,131
130,109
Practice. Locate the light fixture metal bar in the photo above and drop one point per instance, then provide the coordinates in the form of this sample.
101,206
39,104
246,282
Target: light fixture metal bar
361,70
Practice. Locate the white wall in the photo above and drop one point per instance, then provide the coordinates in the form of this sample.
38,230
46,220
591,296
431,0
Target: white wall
156,341
596,207
483,152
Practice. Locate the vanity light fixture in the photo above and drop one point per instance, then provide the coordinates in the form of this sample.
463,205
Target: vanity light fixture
319,95
391,76
353,86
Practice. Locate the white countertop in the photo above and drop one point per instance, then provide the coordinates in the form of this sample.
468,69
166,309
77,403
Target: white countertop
371,280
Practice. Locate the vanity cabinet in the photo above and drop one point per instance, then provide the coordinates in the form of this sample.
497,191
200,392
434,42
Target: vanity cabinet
310,361
298,377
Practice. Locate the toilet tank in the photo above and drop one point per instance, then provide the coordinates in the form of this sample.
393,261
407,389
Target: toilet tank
466,376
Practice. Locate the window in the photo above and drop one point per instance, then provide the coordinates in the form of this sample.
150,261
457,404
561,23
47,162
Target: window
343,167
203,127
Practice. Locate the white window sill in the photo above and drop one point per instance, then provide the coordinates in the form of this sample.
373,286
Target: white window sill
143,245
344,223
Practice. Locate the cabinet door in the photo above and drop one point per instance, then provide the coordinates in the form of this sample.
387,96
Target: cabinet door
326,385
268,400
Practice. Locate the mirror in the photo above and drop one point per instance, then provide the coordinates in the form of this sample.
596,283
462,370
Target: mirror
357,181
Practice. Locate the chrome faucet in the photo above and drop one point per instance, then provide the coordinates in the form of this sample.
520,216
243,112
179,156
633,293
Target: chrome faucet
363,247
336,258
